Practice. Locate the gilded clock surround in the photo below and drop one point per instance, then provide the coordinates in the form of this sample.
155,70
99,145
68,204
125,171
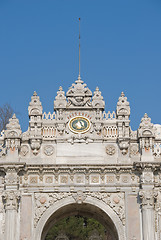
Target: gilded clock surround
79,124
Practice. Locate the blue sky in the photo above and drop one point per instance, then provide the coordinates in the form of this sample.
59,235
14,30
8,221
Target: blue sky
120,51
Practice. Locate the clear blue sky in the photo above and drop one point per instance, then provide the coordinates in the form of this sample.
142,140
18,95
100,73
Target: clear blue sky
120,51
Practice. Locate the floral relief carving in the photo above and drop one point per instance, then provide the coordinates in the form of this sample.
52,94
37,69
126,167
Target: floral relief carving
79,197
24,150
48,150
148,197
110,150
11,200
44,200
114,200
134,150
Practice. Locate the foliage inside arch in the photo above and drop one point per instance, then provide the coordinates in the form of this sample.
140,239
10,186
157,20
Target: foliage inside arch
76,228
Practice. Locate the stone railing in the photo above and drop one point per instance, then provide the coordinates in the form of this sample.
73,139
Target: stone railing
48,132
110,131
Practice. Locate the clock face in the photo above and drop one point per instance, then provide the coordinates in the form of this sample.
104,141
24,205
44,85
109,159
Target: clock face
79,124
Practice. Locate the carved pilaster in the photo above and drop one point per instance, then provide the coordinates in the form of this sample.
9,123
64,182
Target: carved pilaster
148,197
11,203
158,215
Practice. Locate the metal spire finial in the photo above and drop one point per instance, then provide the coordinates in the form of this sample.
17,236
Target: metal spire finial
79,47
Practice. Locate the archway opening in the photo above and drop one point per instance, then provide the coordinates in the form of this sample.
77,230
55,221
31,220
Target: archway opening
82,214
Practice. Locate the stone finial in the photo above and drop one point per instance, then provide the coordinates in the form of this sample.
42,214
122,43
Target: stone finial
146,128
97,99
146,122
123,106
35,107
60,100
13,129
79,95
13,123
35,93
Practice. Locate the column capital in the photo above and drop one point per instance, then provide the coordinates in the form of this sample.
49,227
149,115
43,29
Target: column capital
11,199
148,197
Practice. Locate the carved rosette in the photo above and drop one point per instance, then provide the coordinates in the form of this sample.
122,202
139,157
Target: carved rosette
48,150
11,200
44,200
113,200
110,150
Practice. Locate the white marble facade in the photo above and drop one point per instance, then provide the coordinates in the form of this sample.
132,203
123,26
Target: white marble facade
80,159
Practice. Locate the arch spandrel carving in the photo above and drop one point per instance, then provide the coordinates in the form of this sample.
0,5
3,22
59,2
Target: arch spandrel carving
90,206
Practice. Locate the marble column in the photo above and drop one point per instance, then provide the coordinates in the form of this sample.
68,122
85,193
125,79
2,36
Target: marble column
11,202
148,219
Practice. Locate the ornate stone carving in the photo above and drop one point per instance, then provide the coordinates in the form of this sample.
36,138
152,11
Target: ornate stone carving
49,179
114,200
124,146
35,145
64,179
44,200
110,179
79,95
157,150
60,100
123,114
110,150
13,133
11,177
11,199
95,179
79,197
146,133
123,108
147,177
24,150
97,100
35,107
148,197
60,127
33,179
48,150
134,149
158,202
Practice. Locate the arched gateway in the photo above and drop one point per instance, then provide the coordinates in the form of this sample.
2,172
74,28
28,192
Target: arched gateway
80,160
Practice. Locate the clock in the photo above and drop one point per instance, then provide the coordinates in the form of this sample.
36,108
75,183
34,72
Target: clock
79,124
